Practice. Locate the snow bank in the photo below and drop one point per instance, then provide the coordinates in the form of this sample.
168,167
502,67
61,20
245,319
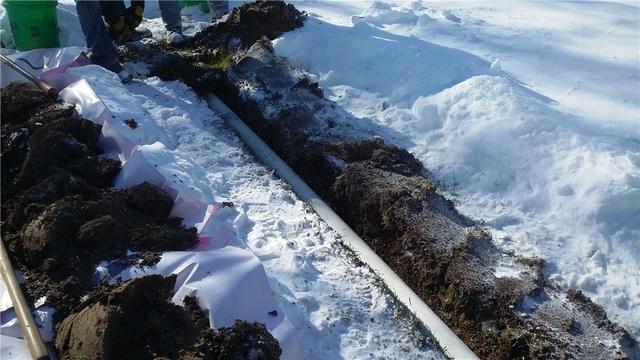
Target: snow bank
548,182
396,67
544,183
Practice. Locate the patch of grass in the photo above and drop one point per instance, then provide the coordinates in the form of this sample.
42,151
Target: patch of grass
505,335
387,225
221,60
454,297
201,69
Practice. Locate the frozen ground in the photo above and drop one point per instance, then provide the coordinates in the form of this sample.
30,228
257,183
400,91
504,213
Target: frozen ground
528,113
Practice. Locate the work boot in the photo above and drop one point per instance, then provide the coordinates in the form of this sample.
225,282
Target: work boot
122,73
175,37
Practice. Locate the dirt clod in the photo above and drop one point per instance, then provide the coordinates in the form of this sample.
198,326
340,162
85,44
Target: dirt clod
136,320
72,235
131,123
131,321
250,22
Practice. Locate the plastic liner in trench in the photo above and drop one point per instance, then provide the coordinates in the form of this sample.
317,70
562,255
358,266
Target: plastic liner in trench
383,193
60,219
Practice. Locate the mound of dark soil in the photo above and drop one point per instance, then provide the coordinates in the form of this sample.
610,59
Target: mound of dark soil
41,138
420,236
245,340
136,320
58,217
250,22
202,61
131,321
63,244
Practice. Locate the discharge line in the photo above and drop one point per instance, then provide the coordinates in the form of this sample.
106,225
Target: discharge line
30,331
449,341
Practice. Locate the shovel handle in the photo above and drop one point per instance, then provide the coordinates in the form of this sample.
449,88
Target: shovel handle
46,88
36,345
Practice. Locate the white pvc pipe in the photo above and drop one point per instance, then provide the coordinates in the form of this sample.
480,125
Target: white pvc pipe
449,341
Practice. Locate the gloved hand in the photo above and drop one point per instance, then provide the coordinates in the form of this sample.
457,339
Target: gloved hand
133,14
118,28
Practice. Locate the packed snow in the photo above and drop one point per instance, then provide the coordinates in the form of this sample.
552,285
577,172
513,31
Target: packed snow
527,113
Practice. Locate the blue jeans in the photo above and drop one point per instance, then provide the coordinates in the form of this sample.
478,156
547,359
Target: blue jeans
103,52
170,13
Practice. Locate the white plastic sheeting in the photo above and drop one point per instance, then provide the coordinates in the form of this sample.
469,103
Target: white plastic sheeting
228,280
41,61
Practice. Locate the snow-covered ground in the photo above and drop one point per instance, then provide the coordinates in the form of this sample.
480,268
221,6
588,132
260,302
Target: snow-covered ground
339,309
528,113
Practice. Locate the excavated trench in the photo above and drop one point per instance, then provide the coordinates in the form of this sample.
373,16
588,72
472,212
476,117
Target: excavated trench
382,192
60,219
56,205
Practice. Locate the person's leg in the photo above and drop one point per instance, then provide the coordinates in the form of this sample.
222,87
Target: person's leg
113,13
170,12
112,10
103,52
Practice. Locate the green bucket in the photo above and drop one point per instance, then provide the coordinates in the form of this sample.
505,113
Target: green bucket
34,23
204,4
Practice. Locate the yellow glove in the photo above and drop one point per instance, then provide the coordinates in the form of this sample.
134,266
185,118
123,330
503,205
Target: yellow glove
133,14
118,29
